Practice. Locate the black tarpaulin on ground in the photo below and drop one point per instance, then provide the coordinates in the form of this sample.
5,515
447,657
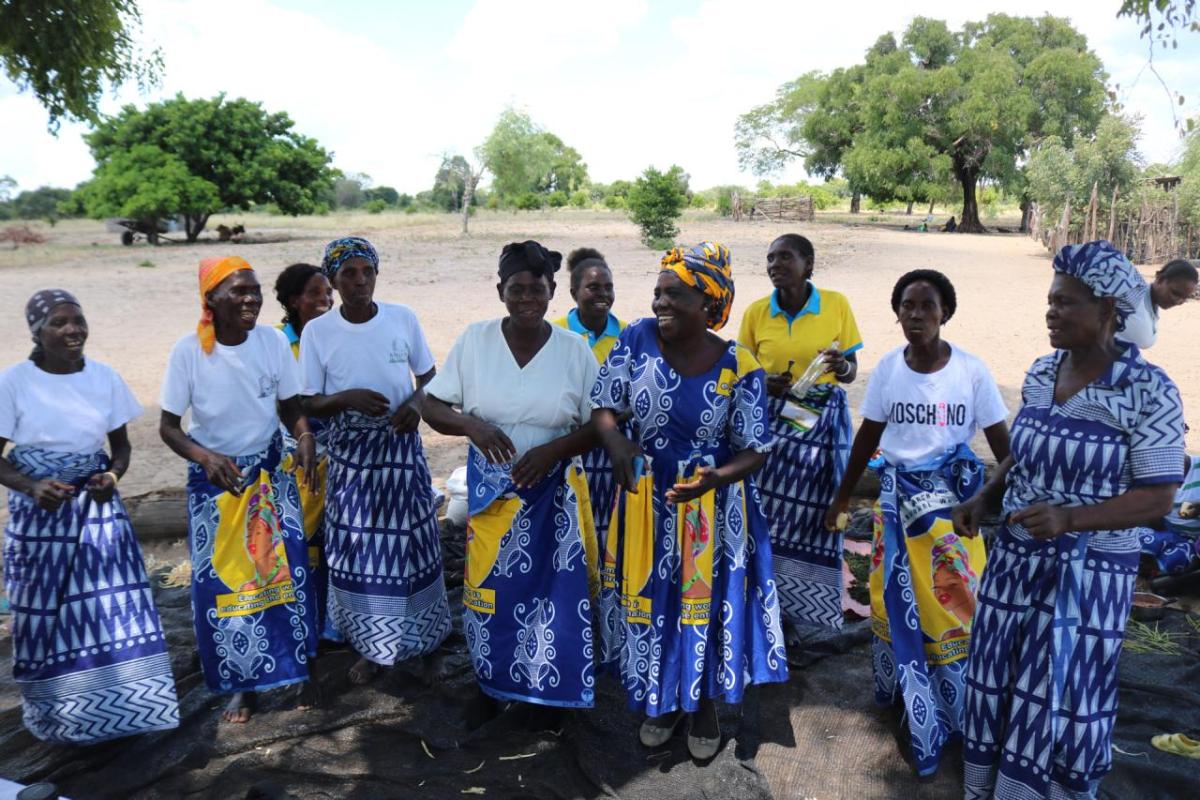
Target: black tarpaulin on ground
819,735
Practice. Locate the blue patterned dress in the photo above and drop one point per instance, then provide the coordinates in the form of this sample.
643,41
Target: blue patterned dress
1048,629
700,612
88,648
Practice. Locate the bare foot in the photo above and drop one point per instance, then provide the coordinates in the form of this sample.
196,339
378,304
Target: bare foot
240,708
308,695
363,672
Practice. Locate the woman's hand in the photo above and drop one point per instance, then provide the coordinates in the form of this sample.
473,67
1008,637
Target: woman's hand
1043,521
778,383
101,486
967,515
839,506
222,472
305,460
533,466
623,454
835,362
705,480
49,494
365,401
495,445
406,419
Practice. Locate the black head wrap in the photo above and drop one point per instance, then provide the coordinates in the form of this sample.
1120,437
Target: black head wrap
528,256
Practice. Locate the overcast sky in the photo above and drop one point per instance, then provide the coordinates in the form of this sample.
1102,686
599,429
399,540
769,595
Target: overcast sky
389,86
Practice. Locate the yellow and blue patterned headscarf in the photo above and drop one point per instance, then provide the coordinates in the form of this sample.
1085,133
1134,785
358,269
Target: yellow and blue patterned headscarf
1107,272
708,267
339,251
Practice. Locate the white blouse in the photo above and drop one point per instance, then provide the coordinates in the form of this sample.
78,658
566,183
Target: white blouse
534,404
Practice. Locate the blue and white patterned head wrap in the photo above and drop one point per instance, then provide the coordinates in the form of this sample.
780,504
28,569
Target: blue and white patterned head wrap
339,251
1107,272
38,309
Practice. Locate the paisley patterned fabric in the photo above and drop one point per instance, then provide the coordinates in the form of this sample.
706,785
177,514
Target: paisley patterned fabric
1048,629
690,586
89,653
528,589
252,602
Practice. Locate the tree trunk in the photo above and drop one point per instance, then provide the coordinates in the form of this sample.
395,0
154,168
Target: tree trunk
1026,210
909,210
968,177
930,206
468,195
193,224
855,202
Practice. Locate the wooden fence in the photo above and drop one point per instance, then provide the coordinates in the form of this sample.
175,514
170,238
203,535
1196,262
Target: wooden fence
798,209
1153,234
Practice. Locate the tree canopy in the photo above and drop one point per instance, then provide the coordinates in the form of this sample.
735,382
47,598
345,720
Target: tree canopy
68,54
935,106
525,159
212,154
655,201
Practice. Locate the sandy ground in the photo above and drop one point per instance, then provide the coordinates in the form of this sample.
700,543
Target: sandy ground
140,299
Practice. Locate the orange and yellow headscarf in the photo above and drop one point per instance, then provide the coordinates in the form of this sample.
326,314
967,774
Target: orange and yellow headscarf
212,272
708,267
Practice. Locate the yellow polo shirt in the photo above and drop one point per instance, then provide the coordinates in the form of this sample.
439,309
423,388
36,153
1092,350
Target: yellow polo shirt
601,345
776,338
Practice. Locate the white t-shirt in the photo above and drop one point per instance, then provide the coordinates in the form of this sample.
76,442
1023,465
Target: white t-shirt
232,392
1141,327
928,415
532,405
64,413
382,354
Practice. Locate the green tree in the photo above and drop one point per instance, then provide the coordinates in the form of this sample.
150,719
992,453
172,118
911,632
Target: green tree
250,156
655,203
523,158
567,171
939,105
387,194
67,55
350,191
1109,160
40,203
148,184
449,182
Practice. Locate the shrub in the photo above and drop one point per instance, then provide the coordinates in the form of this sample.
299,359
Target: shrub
655,203
581,199
376,206
557,199
528,201
614,202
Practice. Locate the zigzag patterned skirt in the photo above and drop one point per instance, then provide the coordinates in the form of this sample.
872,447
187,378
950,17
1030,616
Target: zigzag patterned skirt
252,600
88,648
1042,674
531,569
797,482
387,594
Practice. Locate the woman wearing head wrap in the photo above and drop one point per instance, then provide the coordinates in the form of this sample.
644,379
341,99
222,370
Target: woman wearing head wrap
689,550
88,649
1097,452
925,401
305,294
251,598
366,364
786,331
517,387
592,318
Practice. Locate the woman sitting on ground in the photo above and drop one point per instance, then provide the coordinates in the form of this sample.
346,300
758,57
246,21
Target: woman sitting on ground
252,602
521,388
925,401
89,653
692,553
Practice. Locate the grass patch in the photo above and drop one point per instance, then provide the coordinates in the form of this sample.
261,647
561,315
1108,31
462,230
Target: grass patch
145,262
1143,638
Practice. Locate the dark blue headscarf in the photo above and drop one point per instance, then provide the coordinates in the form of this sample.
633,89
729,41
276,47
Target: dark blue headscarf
339,251
1107,272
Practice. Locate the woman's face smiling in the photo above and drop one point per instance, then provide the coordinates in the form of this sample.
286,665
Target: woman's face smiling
315,299
527,297
921,313
1074,316
681,310
64,334
236,301
595,295
355,282
786,268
